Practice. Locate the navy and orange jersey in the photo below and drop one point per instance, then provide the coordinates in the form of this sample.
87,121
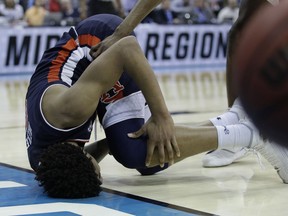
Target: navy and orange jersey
64,64
68,59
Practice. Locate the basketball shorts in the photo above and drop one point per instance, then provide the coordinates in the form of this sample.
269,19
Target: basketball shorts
122,117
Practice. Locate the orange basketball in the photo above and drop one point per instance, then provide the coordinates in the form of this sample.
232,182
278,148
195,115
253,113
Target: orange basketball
261,71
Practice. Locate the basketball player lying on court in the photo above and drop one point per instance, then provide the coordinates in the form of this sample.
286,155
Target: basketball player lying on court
69,88
277,155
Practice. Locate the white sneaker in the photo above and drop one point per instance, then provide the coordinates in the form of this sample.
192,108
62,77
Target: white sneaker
277,156
224,157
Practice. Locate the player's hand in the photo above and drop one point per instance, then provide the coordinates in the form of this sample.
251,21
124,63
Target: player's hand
103,45
160,135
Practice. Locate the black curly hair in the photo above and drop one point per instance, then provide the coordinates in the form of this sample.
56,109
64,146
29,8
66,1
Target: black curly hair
64,171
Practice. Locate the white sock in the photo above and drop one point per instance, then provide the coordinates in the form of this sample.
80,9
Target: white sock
227,118
232,116
234,137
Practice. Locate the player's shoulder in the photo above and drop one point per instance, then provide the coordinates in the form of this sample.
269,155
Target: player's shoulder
100,25
100,19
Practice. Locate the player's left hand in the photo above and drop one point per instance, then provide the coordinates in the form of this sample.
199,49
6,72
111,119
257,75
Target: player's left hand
160,134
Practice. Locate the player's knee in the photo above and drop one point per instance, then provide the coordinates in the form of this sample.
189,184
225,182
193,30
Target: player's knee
152,170
131,161
131,153
129,43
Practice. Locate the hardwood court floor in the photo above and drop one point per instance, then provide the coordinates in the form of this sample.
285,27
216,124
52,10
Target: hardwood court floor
241,189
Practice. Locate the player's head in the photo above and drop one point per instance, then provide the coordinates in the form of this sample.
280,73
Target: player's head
66,171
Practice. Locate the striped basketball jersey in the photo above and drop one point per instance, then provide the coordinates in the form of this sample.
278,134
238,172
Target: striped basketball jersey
63,64
67,60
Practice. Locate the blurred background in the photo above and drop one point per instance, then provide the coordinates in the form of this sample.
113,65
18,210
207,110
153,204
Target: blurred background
185,42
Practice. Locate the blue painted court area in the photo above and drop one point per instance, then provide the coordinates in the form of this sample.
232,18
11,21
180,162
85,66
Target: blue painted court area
21,195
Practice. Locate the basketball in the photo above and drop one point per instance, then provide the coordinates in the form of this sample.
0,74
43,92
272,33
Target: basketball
261,71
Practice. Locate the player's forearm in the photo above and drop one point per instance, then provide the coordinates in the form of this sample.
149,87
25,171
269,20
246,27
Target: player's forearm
98,149
141,72
138,13
154,97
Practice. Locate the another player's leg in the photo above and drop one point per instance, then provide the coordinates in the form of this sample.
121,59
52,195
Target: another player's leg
223,157
247,9
277,155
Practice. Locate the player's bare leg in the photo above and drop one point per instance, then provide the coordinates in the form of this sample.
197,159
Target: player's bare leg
195,140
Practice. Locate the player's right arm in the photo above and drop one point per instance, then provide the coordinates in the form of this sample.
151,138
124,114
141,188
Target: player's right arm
138,13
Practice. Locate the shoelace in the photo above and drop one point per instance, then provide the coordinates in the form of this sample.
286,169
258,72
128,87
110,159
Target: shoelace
258,156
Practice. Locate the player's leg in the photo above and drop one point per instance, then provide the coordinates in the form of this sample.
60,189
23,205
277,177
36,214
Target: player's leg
222,157
131,153
277,156
247,9
191,140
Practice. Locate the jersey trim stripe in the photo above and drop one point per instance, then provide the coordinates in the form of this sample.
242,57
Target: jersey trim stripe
88,40
62,56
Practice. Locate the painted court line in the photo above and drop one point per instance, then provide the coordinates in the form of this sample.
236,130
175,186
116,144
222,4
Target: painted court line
10,184
21,195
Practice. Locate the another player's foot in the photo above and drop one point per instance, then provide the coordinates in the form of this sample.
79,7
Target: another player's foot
229,154
277,156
